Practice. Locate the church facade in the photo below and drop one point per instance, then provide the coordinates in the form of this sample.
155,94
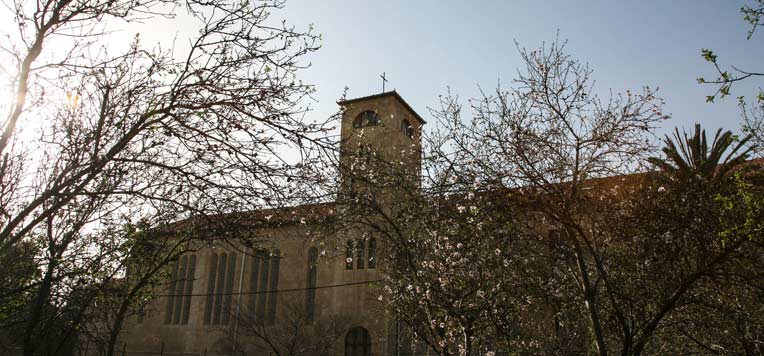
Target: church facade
218,295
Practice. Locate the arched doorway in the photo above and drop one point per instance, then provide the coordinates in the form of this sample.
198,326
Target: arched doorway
357,342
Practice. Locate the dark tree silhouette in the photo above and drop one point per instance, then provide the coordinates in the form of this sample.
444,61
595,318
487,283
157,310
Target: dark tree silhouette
98,142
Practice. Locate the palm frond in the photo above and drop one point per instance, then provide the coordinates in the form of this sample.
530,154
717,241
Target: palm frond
691,156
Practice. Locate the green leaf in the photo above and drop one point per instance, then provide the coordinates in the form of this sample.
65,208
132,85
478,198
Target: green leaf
708,55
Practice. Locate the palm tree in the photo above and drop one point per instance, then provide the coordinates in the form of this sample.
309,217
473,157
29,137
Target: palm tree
691,159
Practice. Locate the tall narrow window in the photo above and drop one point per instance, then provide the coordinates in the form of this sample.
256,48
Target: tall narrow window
407,129
263,287
171,294
310,293
210,289
220,288
217,306
190,276
372,253
180,290
360,253
253,279
272,295
226,318
349,255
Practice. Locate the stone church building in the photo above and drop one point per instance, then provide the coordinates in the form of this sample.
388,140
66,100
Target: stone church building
214,290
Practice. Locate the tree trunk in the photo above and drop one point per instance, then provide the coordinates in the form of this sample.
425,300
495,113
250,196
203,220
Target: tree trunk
118,321
36,310
589,298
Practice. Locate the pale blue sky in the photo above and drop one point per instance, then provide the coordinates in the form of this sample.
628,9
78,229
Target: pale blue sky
425,46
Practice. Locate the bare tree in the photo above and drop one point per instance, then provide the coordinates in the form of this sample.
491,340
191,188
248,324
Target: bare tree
147,136
542,141
538,230
553,147
452,270
295,333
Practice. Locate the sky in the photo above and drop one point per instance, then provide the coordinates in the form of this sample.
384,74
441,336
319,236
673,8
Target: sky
426,47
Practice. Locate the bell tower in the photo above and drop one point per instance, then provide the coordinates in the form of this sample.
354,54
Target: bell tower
383,126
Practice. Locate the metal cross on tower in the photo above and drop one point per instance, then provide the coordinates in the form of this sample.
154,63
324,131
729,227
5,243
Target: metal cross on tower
384,80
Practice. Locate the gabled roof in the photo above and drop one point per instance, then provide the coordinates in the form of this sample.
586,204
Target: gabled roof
275,217
616,185
381,95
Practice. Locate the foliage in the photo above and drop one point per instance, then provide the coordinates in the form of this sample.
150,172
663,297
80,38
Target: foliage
691,158
725,78
752,14
17,279
544,141
97,140
534,231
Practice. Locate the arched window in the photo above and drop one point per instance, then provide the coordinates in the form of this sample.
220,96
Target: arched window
171,292
217,307
349,254
357,342
263,285
254,278
274,284
310,293
220,288
181,286
407,129
190,276
228,296
360,251
210,288
372,253
366,118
